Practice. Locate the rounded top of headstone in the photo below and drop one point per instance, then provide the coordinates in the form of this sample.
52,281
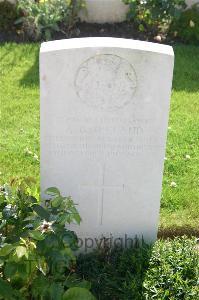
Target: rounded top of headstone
106,81
106,42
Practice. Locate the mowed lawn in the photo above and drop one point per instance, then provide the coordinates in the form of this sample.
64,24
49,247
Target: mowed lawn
19,135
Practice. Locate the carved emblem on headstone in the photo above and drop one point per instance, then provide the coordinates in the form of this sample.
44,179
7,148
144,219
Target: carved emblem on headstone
106,81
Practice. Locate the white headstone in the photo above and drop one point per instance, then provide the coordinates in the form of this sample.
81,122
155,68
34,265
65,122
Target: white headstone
104,117
104,11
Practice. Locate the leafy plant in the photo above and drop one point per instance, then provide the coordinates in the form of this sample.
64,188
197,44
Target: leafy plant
173,270
186,28
168,270
40,19
8,15
116,274
154,15
36,249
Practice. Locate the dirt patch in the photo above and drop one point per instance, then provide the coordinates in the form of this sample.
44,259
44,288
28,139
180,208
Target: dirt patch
121,30
171,232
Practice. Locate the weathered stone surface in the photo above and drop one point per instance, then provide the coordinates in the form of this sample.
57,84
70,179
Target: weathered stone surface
104,115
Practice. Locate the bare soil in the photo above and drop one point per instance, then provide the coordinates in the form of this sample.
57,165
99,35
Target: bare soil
120,30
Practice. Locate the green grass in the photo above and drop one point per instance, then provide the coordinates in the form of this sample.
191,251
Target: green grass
180,205
19,95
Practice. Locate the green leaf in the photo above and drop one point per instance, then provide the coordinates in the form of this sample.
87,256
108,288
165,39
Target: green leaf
21,251
5,250
56,201
40,287
11,269
78,293
53,191
1,263
77,218
42,265
56,291
141,28
32,199
25,268
64,218
42,212
36,235
47,34
69,238
74,281
67,252
6,291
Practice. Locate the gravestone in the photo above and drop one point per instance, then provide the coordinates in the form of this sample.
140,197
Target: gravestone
104,11
104,117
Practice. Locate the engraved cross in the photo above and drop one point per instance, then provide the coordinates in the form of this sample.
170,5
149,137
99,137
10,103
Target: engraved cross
102,187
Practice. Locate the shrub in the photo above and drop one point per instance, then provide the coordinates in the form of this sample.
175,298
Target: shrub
37,258
173,270
8,15
42,18
154,15
118,274
168,270
36,249
186,28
